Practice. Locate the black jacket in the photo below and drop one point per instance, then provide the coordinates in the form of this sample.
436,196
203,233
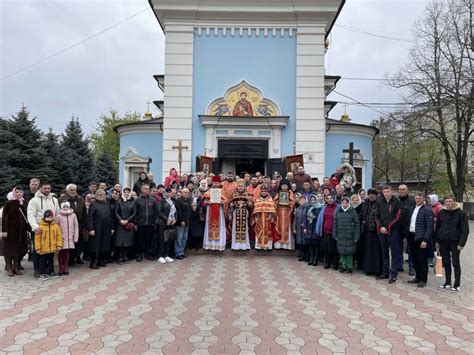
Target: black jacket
424,223
388,214
125,211
145,210
407,204
184,211
368,216
163,212
452,226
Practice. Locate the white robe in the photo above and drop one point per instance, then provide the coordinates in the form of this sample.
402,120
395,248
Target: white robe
239,246
215,244
291,241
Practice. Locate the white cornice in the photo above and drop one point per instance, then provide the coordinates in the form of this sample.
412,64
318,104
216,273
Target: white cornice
243,122
348,129
139,128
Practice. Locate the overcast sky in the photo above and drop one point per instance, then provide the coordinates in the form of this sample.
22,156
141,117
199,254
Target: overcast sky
114,69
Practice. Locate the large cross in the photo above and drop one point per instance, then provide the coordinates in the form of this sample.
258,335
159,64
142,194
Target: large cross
351,152
180,147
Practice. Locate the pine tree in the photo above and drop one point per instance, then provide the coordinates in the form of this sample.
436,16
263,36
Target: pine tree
21,151
54,153
77,156
106,170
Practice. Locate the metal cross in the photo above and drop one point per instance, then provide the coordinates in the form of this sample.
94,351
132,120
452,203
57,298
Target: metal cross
180,147
351,152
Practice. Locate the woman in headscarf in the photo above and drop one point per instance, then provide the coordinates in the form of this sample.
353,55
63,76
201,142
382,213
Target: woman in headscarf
312,239
14,231
125,218
100,230
357,205
285,203
324,228
172,178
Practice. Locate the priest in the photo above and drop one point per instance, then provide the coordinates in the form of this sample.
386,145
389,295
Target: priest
214,231
240,207
285,203
263,220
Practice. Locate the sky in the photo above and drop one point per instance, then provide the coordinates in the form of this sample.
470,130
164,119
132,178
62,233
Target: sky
82,58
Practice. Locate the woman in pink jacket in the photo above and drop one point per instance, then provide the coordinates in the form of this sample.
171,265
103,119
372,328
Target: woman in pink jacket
69,226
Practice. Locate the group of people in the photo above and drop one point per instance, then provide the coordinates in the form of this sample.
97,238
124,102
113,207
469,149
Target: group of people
330,223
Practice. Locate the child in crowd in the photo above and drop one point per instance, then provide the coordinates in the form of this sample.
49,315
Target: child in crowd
47,242
69,226
346,232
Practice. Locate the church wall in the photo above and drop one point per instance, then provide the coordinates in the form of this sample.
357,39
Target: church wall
268,63
146,144
335,143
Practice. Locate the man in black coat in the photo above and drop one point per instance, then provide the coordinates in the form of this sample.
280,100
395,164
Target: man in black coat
387,218
452,230
406,204
420,230
184,213
145,211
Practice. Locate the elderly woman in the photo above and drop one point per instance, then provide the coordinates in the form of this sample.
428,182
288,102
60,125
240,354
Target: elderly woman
14,231
324,228
125,219
100,230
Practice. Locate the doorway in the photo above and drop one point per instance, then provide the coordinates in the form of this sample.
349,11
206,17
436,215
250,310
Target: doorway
250,166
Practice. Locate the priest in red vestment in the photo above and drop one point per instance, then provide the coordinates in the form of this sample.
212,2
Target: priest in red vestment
215,229
263,220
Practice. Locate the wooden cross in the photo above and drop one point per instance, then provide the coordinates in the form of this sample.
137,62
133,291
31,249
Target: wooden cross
180,147
351,152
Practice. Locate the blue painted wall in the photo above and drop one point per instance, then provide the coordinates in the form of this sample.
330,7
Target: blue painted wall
268,63
147,145
335,143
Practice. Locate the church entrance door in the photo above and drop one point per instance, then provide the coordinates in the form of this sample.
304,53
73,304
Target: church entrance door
250,166
242,155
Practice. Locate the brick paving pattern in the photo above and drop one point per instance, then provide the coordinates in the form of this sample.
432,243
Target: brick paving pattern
233,304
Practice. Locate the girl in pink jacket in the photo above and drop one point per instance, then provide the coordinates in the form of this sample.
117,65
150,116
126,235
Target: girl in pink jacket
67,221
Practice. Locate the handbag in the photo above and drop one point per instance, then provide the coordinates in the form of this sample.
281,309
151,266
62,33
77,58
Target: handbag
129,226
170,235
28,226
439,265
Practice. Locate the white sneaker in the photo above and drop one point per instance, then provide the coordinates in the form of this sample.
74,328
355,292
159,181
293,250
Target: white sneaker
168,259
162,260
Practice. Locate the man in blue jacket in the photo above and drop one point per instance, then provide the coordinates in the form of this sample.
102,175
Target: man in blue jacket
420,229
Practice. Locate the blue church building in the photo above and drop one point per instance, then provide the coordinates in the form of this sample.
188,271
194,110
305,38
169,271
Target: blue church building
245,90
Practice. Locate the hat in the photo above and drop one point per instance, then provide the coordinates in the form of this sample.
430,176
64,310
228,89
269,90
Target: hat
65,205
48,214
240,182
284,182
263,187
372,192
216,179
126,189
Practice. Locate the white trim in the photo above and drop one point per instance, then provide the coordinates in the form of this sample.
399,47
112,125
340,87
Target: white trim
348,129
139,128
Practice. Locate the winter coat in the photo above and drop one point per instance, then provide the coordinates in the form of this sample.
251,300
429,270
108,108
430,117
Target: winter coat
423,223
145,210
163,212
184,211
125,211
320,222
368,216
137,186
14,224
388,214
50,239
300,179
311,225
300,224
100,221
452,226
346,230
78,205
38,205
67,222
406,205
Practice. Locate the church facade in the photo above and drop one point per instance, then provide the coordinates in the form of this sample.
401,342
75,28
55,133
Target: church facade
244,87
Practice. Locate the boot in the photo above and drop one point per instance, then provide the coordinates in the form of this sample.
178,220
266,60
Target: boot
306,255
8,266
93,264
301,255
139,257
315,257
21,268
16,270
311,255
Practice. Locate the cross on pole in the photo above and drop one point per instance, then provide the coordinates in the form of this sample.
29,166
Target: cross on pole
351,152
148,105
180,147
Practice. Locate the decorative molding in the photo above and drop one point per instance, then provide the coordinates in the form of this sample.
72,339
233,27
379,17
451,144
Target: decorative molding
245,30
140,128
348,129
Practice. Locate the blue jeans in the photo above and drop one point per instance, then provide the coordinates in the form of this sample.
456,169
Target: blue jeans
389,244
180,243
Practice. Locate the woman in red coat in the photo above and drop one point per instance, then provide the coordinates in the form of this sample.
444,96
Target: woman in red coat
14,231
172,177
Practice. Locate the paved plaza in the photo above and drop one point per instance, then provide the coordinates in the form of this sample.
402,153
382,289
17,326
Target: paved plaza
231,304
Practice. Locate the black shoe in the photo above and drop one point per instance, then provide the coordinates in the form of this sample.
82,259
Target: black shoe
349,271
139,258
326,266
180,257
102,263
66,273
93,265
335,267
382,277
413,281
421,284
392,281
342,270
301,258
79,261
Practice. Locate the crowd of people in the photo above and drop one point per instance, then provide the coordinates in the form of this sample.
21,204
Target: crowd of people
329,222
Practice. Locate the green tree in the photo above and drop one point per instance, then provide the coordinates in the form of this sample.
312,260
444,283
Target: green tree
106,171
105,139
77,156
21,151
54,154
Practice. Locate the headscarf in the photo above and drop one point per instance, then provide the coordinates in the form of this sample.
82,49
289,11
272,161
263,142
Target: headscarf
11,195
310,216
434,199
